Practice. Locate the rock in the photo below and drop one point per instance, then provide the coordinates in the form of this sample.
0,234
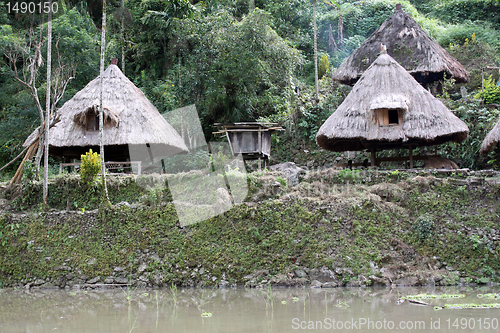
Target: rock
374,267
70,276
142,267
330,285
322,275
223,284
300,273
38,282
109,280
259,273
121,280
119,269
353,283
154,257
158,279
84,277
92,261
377,281
316,284
202,271
291,172
141,284
406,281
62,268
94,280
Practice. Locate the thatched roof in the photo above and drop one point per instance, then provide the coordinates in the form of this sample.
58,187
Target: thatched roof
129,117
491,140
406,42
423,119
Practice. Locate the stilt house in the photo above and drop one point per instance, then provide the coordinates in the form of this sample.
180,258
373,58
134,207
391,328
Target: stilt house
410,46
387,108
133,127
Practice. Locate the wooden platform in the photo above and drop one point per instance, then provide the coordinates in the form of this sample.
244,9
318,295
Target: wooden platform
109,166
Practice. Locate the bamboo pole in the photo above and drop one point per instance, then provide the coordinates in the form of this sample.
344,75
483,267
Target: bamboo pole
29,155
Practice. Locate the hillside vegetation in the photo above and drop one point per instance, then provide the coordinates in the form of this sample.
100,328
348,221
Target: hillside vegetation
335,228
238,63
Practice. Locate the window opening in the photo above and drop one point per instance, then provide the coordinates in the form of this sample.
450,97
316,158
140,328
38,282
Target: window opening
92,122
387,117
393,117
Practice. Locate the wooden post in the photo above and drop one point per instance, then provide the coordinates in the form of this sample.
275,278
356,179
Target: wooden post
411,157
373,157
259,143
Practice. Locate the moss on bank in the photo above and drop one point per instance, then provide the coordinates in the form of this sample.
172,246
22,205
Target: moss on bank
336,227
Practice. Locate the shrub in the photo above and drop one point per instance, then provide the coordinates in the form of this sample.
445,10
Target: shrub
90,167
423,228
324,64
29,172
491,92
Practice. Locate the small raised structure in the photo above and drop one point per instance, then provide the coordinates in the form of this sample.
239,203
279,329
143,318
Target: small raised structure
250,139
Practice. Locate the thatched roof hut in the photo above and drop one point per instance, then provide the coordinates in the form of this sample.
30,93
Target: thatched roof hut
491,140
131,121
387,109
407,43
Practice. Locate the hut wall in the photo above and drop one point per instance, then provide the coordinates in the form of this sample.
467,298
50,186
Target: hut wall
247,142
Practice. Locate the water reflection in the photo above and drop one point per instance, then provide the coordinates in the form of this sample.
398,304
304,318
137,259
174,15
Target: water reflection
240,310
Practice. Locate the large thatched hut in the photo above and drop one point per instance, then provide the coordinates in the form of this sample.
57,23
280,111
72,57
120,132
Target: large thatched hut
387,108
133,127
409,45
491,140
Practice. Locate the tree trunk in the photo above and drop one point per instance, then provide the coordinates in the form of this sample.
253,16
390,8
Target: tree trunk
123,37
101,112
316,85
251,5
47,109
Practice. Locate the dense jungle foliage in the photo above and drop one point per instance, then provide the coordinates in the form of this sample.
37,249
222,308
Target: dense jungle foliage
240,60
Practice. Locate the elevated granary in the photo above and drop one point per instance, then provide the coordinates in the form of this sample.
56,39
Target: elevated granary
491,140
131,123
387,108
410,46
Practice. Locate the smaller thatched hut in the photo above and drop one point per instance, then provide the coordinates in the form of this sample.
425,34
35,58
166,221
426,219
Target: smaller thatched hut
491,140
410,46
133,127
387,108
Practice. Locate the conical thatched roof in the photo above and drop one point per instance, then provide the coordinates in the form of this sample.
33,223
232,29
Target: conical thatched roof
386,85
491,140
129,117
407,43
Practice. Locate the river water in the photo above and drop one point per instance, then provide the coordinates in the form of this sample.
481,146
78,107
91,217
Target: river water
244,310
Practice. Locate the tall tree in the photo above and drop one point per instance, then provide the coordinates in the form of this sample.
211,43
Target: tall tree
27,51
101,111
342,10
47,109
316,85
